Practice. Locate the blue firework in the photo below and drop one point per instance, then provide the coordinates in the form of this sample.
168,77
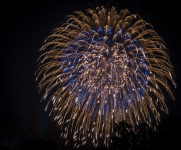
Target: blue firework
102,68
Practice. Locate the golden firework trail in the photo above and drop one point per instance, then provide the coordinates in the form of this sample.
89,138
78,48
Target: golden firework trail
103,67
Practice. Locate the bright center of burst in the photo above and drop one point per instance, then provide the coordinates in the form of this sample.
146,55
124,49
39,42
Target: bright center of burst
104,68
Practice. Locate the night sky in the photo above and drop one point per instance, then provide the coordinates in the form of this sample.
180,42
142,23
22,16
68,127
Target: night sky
24,27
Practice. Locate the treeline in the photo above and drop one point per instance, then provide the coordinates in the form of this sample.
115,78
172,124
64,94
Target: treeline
166,136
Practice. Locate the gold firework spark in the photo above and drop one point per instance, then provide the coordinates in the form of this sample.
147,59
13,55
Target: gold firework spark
102,68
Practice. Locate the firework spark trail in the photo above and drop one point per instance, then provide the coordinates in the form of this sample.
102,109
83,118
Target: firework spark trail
104,67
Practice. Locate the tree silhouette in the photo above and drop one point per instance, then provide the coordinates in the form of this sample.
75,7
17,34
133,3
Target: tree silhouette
168,136
144,133
125,136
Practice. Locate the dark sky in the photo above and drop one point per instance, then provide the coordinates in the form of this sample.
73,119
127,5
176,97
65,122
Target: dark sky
24,27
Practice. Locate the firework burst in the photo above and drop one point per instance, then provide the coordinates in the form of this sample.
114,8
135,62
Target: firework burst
102,68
